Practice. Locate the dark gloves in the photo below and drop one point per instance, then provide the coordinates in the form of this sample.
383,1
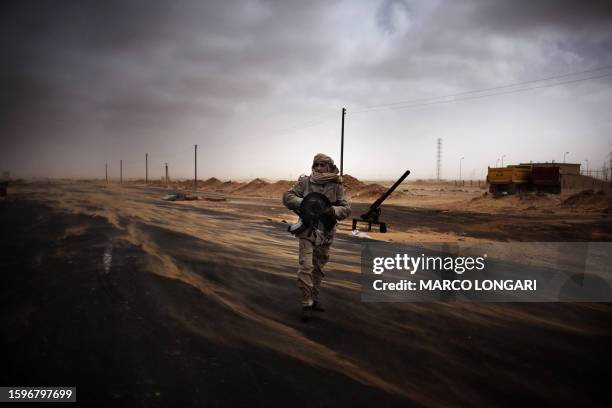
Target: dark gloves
329,212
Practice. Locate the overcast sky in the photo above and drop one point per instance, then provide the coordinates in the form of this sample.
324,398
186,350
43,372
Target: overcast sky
259,86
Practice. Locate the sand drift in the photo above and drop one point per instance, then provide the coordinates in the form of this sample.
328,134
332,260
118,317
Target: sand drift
140,300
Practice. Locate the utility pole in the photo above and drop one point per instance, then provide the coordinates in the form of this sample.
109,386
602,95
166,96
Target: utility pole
587,169
460,168
120,171
146,168
166,164
106,172
342,143
439,160
195,181
610,167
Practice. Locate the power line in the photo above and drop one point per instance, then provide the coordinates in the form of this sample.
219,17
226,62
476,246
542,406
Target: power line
304,125
431,101
435,99
174,154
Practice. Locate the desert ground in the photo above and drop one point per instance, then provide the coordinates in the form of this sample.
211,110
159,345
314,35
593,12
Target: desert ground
141,301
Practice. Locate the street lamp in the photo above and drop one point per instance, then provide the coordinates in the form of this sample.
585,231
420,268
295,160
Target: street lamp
460,168
166,166
496,162
564,154
503,160
587,169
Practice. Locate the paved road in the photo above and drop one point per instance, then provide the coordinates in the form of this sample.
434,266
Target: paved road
140,301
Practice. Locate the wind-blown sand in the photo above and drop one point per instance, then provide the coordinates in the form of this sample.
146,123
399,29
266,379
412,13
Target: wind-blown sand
141,301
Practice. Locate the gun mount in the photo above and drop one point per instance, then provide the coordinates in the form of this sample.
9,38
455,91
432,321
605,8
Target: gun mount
3,186
373,214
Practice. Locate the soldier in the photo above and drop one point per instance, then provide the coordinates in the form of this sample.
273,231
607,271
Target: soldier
315,241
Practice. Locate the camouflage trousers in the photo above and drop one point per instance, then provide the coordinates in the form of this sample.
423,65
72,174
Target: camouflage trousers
312,259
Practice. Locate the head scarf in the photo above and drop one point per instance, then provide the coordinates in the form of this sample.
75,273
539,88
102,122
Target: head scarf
322,178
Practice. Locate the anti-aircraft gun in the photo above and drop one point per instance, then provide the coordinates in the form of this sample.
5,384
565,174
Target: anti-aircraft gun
373,213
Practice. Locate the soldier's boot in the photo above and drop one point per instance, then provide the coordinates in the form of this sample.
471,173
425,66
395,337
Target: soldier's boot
317,307
306,313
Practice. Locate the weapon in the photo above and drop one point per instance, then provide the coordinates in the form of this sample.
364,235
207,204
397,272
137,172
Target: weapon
373,213
315,207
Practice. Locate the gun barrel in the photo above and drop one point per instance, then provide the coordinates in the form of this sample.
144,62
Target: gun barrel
373,213
390,190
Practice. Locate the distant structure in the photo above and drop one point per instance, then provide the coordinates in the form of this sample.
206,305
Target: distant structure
610,166
439,160
564,168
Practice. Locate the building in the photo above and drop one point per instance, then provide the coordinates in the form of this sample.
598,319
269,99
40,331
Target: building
564,168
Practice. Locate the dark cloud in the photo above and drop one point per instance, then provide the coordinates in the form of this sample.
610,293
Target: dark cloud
124,70
126,59
517,16
480,43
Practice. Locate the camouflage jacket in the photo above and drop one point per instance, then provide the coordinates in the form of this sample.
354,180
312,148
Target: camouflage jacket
332,190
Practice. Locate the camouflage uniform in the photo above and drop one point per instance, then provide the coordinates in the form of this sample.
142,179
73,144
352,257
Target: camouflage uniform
314,243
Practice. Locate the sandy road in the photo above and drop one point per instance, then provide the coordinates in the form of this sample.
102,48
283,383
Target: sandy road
148,302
